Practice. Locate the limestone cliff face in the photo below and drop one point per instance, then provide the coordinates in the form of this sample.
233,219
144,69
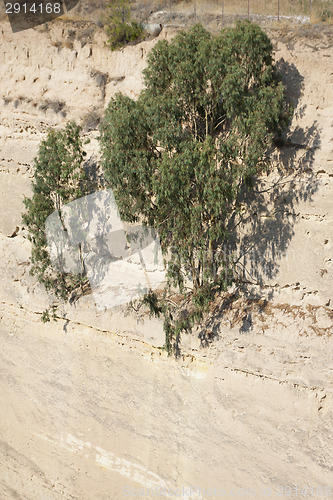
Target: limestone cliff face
47,78
90,405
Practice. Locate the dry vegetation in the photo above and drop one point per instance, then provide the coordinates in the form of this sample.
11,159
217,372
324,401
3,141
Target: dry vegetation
316,10
202,10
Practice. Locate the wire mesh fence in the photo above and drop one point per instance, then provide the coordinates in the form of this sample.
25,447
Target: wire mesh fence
207,12
222,10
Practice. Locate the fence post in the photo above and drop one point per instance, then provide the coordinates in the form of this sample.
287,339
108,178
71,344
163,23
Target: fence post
222,11
278,10
146,9
195,11
310,10
248,9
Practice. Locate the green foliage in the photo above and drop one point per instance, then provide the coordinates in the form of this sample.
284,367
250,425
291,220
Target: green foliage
45,318
325,10
59,179
119,28
321,10
179,157
151,300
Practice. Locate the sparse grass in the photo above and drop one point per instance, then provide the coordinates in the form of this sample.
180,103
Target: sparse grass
18,101
237,309
91,120
67,44
7,100
237,7
100,78
55,105
117,79
57,44
322,11
93,10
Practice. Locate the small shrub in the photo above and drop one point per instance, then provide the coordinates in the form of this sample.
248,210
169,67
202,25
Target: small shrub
57,44
324,10
118,26
91,120
326,15
68,44
124,33
46,318
100,78
56,106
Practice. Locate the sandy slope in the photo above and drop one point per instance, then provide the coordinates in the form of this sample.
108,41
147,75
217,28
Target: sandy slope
90,405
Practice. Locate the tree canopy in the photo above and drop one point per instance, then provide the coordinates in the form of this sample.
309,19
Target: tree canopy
59,178
178,157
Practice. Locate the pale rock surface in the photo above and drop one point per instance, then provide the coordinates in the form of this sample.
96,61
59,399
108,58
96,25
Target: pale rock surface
90,404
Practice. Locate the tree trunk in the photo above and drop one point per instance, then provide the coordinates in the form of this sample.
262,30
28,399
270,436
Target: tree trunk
211,253
195,272
83,267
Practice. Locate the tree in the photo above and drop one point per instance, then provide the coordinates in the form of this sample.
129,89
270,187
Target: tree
119,28
59,178
179,157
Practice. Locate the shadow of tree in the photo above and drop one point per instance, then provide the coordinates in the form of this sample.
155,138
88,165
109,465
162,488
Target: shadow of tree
95,179
261,233
91,240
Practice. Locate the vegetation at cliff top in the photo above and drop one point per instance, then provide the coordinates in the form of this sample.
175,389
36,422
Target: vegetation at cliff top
119,28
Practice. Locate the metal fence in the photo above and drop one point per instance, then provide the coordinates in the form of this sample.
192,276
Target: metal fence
223,10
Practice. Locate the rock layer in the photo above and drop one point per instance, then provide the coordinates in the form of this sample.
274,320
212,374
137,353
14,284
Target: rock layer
91,407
